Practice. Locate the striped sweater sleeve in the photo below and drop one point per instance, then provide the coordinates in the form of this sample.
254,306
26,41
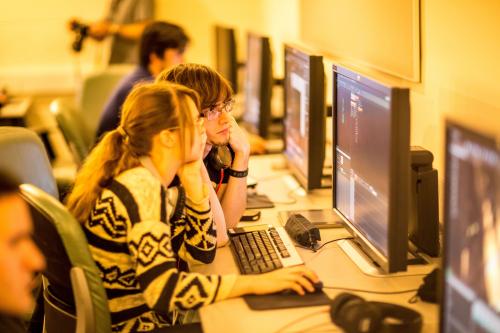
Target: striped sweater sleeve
194,233
165,288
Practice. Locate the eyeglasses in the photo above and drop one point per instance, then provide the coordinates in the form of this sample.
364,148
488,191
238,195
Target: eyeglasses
214,111
198,122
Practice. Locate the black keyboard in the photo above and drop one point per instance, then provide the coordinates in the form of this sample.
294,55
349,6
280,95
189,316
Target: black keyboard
259,251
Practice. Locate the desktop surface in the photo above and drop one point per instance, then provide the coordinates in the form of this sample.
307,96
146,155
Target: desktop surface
331,264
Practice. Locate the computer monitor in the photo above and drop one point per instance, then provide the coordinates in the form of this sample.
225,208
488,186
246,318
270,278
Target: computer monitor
305,115
225,55
372,165
471,288
259,83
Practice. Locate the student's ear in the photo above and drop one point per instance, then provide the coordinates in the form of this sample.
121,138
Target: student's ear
167,138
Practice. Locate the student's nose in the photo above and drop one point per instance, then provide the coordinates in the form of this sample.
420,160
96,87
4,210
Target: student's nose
224,117
33,258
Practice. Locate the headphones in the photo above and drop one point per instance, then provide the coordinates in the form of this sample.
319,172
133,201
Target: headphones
220,157
355,315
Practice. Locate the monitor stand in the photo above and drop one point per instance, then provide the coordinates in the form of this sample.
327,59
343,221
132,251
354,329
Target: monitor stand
368,267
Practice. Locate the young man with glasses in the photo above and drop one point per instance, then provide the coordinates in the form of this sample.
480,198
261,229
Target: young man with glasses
229,195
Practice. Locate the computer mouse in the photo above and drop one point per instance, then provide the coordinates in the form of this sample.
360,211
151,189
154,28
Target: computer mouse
318,288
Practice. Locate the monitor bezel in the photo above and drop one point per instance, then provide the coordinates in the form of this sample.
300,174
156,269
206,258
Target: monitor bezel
230,34
317,118
399,173
485,140
265,85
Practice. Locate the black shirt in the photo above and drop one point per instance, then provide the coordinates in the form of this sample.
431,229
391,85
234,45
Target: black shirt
11,324
213,173
110,117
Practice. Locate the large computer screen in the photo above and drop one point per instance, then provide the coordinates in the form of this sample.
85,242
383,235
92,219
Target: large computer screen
225,49
371,130
258,85
305,115
471,295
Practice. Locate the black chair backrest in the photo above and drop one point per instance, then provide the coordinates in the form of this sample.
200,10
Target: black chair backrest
58,267
74,279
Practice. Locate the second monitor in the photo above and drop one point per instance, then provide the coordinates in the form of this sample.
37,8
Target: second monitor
305,116
225,55
258,85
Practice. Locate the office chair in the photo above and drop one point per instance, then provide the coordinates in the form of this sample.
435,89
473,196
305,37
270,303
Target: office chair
81,305
74,296
23,155
96,89
73,129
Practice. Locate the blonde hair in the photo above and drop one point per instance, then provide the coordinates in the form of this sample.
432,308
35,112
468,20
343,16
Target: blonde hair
208,83
147,110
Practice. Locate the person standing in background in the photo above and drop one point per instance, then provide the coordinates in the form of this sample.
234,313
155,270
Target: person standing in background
162,46
20,259
124,23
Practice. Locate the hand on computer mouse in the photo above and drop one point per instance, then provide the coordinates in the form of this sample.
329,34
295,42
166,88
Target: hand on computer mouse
300,279
318,288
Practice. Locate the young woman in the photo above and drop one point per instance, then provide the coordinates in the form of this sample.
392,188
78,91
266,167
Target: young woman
222,130
138,228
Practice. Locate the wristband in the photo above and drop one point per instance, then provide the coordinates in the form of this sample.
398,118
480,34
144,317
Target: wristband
238,174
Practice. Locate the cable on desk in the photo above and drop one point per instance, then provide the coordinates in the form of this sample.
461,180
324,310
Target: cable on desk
321,246
347,238
372,291
332,241
300,319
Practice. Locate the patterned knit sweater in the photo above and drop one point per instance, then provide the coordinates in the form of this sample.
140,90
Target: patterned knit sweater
136,248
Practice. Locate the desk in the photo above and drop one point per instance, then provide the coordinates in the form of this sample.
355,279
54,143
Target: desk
331,264
14,112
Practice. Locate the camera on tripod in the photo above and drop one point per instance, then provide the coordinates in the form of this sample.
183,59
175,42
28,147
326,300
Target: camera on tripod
82,31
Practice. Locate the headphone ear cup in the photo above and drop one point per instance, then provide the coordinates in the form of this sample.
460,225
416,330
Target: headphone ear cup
362,317
220,157
354,314
338,304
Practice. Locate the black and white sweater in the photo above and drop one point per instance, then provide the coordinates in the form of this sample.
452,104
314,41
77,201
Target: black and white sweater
136,248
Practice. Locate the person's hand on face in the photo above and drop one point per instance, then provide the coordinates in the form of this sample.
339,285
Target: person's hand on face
199,149
99,30
237,138
193,166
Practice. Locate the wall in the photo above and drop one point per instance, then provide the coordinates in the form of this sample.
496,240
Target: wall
36,56
460,71
276,18
35,44
363,32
